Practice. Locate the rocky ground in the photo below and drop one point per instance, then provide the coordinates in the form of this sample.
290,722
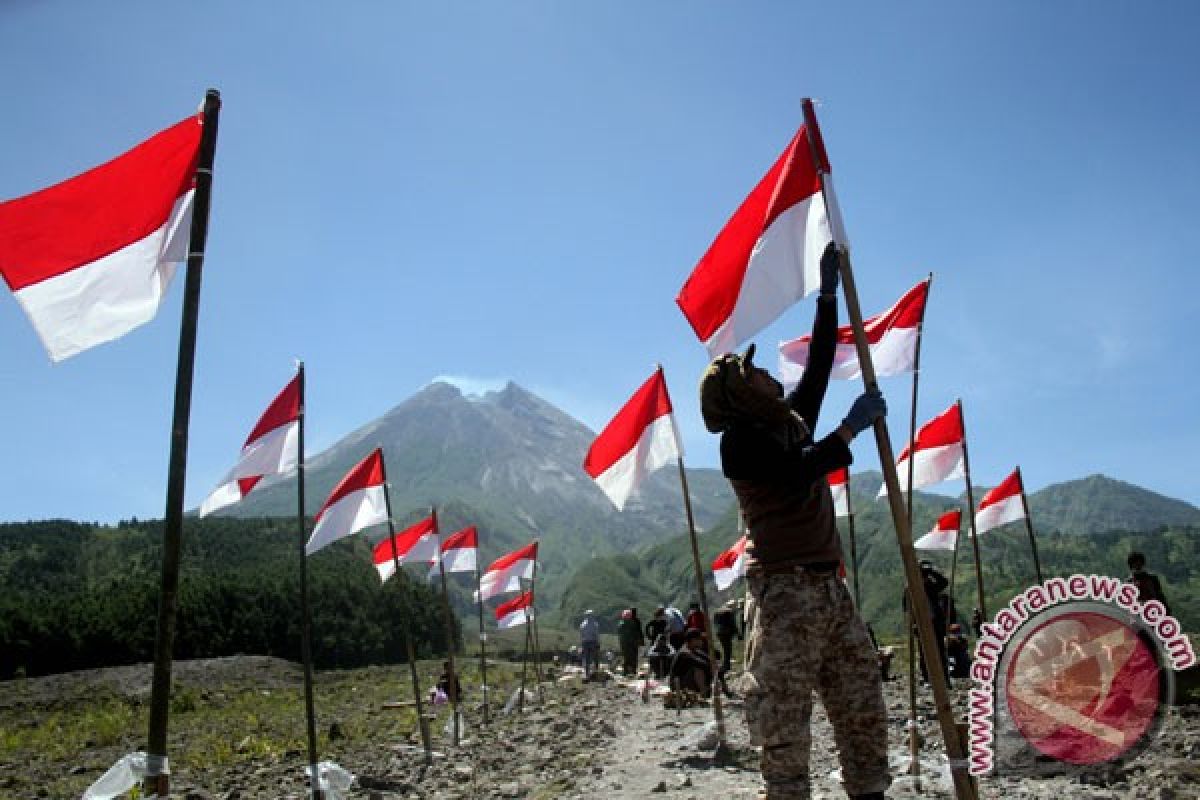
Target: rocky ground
237,734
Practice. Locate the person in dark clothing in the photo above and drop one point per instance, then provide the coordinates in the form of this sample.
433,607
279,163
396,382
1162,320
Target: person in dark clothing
935,584
629,636
725,624
444,683
691,668
977,622
804,632
657,625
659,655
1149,587
958,652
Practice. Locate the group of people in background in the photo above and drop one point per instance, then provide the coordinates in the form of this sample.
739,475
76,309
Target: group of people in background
675,645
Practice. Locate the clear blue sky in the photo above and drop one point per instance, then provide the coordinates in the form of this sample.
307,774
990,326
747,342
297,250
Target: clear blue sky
518,190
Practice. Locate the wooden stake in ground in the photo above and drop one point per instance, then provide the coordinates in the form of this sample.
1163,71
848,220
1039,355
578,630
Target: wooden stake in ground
157,781
422,722
914,743
453,684
1037,564
971,507
956,750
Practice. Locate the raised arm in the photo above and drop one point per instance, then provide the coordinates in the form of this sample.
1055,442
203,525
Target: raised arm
806,398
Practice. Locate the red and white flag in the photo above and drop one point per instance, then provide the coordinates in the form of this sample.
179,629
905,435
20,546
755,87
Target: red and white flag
839,487
506,572
89,259
944,535
768,254
270,449
730,565
1001,505
639,439
515,612
416,544
939,452
892,336
356,503
458,552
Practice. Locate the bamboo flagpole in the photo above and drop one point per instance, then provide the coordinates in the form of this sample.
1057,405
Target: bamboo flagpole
718,713
531,616
853,543
1037,564
422,722
971,507
453,684
524,660
956,751
914,766
157,781
310,716
482,638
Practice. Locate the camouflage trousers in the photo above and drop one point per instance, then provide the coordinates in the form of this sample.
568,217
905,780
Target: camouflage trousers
805,636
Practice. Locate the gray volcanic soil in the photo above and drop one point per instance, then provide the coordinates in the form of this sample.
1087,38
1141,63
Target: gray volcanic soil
593,740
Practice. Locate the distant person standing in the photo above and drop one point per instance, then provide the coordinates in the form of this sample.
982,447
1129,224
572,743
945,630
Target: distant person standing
629,636
589,643
1149,587
695,618
725,623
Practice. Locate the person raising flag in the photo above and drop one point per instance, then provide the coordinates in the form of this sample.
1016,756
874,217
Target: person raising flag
810,638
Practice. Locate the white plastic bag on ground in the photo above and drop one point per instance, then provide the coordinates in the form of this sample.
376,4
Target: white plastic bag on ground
513,701
335,781
703,738
120,778
462,725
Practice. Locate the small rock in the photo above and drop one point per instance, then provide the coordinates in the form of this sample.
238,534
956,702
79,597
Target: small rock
661,787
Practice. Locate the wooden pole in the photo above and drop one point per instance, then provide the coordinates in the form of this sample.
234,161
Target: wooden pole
453,685
956,750
524,662
310,715
422,723
971,507
157,781
718,713
914,745
1037,564
482,639
531,613
853,544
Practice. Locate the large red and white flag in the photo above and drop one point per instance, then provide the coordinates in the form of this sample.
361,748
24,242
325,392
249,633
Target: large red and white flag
89,259
270,449
730,565
1001,505
944,535
641,438
768,254
839,487
940,455
458,552
416,544
892,336
515,612
506,572
357,502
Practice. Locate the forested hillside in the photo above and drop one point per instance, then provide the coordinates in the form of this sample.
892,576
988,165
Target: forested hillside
75,596
664,573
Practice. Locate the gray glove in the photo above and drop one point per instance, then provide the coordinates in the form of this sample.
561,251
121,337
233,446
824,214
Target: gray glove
829,269
869,407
